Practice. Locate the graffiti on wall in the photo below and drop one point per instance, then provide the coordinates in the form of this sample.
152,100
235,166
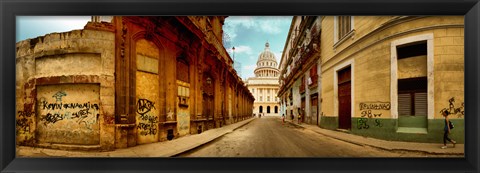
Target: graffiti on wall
362,123
85,114
147,123
375,106
183,121
367,113
452,110
23,121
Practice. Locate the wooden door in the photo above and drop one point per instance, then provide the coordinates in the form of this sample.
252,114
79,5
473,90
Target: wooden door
344,99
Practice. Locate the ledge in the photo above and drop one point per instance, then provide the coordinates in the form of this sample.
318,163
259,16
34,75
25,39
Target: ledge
168,122
345,38
415,130
125,125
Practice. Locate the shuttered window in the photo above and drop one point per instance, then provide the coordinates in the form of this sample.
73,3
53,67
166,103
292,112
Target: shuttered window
412,97
420,104
404,104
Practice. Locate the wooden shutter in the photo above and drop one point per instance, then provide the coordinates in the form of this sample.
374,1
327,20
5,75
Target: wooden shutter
404,104
420,104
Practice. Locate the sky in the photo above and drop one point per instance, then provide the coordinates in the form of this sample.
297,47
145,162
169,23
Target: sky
248,34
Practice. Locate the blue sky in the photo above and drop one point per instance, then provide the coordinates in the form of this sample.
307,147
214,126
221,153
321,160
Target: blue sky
248,34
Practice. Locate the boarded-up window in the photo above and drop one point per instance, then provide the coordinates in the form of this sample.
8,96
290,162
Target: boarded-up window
147,64
182,70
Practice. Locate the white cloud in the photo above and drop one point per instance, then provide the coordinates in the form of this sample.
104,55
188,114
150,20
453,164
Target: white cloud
241,49
250,67
278,55
248,70
266,24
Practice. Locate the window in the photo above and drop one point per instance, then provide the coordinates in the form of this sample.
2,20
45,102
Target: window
412,96
260,91
302,86
313,76
268,98
344,26
253,90
182,70
260,98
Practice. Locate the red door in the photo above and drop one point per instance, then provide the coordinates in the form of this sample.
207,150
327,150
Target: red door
344,99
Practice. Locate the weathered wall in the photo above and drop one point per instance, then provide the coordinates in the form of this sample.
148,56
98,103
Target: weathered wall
68,114
370,50
372,60
147,89
79,66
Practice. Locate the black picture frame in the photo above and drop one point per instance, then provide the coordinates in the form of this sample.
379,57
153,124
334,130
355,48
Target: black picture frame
10,8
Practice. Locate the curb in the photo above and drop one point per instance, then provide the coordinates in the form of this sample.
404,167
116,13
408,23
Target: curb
374,146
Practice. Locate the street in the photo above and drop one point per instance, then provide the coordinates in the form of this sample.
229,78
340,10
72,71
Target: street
267,137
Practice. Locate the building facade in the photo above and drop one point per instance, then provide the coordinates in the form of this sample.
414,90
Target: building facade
300,89
127,81
389,77
264,86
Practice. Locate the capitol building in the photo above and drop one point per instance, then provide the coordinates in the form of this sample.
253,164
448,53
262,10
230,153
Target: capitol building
264,86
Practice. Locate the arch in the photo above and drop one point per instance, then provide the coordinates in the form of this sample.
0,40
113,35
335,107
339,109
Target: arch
260,109
276,109
268,109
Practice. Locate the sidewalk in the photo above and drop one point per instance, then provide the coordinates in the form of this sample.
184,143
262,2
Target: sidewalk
159,149
429,148
189,142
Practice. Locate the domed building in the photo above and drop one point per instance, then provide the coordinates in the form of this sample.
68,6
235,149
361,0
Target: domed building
264,86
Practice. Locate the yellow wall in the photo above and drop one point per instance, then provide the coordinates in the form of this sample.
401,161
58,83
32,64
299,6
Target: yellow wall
372,64
147,86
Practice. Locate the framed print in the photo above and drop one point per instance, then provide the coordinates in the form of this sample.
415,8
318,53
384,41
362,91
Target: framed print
236,86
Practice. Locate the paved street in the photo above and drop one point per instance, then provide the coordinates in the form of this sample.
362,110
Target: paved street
267,137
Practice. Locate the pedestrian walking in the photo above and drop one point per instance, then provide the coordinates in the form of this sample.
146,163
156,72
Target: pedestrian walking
283,119
446,129
299,116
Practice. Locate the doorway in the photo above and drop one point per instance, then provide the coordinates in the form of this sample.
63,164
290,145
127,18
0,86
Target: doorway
344,98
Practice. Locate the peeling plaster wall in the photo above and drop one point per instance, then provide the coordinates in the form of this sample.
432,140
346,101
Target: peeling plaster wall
79,63
68,114
147,89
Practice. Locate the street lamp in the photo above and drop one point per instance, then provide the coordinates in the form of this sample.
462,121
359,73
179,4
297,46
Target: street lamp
233,49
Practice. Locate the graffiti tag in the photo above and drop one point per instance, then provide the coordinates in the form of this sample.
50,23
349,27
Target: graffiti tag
369,114
362,123
53,106
144,106
375,106
452,110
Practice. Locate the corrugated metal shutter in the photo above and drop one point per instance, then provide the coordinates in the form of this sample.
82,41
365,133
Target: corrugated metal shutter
404,104
420,104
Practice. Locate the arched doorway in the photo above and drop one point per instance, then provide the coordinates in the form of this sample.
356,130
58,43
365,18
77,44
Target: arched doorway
260,109
276,109
268,109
